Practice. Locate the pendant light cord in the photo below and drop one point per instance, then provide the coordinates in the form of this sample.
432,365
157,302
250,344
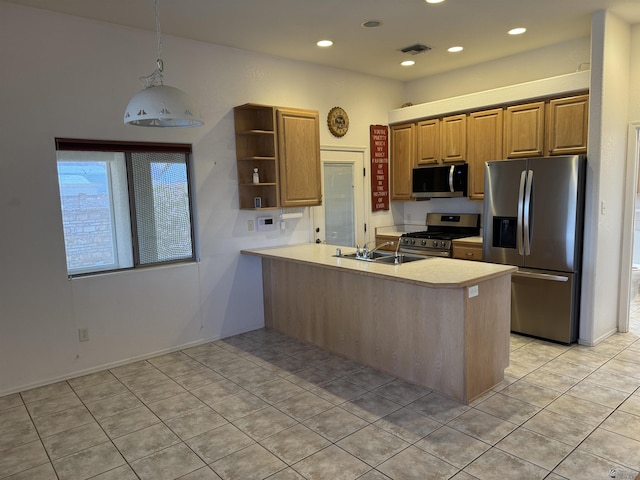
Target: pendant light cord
156,77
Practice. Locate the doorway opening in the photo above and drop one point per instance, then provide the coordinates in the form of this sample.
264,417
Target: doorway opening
341,220
634,234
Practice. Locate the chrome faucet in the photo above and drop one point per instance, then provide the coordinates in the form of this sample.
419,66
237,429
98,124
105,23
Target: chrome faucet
369,253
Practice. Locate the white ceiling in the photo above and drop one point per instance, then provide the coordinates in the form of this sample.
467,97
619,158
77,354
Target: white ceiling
290,28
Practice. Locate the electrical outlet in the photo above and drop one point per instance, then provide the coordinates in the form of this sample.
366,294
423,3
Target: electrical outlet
250,225
83,334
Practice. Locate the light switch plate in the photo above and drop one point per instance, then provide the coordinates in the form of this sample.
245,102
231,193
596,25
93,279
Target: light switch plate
473,291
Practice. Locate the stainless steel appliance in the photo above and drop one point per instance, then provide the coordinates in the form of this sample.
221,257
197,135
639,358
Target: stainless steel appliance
533,219
440,181
442,228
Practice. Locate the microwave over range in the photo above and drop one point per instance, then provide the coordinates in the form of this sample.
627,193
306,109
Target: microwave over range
445,181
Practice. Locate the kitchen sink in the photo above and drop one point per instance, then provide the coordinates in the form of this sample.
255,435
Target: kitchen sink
384,257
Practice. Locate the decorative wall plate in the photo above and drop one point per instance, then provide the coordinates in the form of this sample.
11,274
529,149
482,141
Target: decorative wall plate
338,122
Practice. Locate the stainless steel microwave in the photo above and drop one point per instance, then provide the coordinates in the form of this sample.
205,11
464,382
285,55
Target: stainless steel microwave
443,181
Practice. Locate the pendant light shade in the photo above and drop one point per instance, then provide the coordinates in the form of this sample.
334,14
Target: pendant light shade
159,105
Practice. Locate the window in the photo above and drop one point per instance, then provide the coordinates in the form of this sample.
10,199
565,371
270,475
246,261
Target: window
124,205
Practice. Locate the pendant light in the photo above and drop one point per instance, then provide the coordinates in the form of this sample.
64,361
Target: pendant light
159,105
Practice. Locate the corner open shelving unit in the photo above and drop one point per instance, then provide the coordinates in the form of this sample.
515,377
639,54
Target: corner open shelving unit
257,147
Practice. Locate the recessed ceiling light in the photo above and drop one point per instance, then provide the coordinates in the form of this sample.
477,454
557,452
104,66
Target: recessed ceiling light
408,63
455,49
517,31
434,1
324,43
371,24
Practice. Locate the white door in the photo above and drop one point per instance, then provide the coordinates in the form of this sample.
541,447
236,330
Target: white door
342,218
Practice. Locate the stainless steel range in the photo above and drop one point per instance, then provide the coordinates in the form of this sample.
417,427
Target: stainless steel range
441,229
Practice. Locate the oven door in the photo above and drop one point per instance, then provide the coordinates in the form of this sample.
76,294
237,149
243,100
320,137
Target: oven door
426,252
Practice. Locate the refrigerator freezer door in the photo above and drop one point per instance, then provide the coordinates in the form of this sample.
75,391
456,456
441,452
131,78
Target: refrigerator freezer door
504,198
555,217
542,305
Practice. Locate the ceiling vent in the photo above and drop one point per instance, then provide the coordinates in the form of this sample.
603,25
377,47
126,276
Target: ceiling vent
415,49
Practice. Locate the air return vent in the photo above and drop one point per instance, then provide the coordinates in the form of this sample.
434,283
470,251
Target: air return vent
415,49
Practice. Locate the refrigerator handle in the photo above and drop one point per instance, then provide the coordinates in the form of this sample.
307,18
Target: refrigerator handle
523,178
527,214
451,170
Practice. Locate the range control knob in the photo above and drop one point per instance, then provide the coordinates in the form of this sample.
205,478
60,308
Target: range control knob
424,242
435,243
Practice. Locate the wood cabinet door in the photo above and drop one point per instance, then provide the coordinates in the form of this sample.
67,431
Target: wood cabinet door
453,138
403,151
484,143
428,132
567,126
299,157
524,130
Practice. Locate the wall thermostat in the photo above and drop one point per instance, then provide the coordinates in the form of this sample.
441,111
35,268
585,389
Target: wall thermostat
265,224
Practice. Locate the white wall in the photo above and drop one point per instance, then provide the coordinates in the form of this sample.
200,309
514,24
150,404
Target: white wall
604,208
560,59
70,77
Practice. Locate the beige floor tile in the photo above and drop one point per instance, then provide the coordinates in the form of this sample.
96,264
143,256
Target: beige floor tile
339,391
204,473
623,423
264,423
251,463
553,381
438,407
192,381
21,458
10,401
128,421
217,392
408,424
219,442
579,409
147,441
452,446
372,445
42,472
495,464
17,433
45,392
563,429
88,463
332,463
530,393
581,465
622,368
91,379
295,443
113,405
61,421
303,406
599,394
149,376
123,472
239,406
101,390
632,404
175,406
416,464
369,378
195,422
168,464
482,426
569,368
618,382
135,369
535,448
276,390
157,391
51,405
370,406
401,392
615,447
508,408
71,441
335,423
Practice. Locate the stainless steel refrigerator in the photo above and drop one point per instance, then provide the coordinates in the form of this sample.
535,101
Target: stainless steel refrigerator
533,219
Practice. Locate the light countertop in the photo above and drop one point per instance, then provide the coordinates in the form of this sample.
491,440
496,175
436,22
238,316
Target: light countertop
433,272
469,240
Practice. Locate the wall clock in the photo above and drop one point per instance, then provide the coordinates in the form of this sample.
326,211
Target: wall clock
338,122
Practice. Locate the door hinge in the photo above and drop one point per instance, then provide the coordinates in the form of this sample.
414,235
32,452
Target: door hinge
365,228
364,171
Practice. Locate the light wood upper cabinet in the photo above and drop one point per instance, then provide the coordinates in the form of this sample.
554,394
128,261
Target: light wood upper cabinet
403,152
484,143
567,125
454,138
428,133
284,146
299,157
524,130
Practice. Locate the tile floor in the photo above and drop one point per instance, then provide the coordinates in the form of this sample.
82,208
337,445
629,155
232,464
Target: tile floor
262,405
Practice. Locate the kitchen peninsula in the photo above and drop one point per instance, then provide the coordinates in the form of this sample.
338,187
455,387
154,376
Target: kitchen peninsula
439,323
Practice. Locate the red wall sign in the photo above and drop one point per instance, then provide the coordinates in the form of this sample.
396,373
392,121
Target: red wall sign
379,167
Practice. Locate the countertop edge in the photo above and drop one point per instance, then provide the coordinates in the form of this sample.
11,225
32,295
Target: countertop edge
357,268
